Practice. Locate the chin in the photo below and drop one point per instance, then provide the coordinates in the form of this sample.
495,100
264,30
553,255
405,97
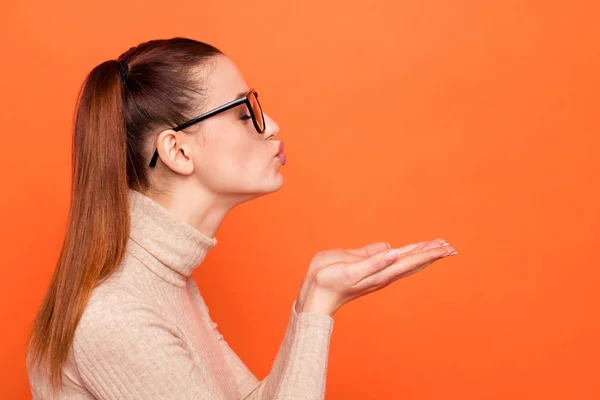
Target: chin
274,185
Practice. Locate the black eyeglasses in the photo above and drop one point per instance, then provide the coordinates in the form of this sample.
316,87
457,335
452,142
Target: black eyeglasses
250,99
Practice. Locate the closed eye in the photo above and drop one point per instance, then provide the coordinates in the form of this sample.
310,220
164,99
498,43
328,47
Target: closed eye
245,117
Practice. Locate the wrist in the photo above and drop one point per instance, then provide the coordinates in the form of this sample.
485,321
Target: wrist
320,301
302,295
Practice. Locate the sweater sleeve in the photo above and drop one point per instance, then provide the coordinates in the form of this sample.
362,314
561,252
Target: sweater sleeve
299,370
130,351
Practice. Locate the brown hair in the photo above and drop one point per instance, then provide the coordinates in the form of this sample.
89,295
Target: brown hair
114,117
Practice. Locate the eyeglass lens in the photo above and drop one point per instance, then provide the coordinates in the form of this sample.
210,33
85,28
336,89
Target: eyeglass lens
257,111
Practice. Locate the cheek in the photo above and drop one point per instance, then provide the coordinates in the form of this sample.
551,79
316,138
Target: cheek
245,150
249,160
234,166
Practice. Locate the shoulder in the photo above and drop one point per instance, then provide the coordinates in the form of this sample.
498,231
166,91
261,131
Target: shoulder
115,319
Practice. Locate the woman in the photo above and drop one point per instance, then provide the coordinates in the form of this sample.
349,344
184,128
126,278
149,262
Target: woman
168,139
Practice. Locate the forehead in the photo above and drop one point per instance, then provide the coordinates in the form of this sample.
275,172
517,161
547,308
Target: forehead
224,82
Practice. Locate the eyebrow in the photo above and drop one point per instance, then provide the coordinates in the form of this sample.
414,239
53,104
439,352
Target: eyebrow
239,96
242,94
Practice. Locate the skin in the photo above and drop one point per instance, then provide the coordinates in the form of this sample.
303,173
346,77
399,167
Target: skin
223,161
217,163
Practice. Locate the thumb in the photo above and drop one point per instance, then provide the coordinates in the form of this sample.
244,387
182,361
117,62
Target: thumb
369,266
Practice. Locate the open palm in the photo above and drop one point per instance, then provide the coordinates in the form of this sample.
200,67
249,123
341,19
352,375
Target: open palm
355,275
332,257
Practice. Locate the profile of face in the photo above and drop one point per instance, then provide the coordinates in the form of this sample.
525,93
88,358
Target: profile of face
223,158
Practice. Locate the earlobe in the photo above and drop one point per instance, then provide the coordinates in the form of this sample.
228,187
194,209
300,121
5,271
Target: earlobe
183,159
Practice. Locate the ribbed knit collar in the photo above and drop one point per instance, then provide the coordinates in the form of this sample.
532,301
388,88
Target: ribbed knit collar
167,245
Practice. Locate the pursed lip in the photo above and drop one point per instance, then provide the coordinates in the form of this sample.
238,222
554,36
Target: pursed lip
280,149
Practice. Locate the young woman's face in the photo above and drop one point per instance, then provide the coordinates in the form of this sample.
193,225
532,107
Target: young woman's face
230,157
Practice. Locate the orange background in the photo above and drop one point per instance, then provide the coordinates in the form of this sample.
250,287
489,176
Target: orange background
475,121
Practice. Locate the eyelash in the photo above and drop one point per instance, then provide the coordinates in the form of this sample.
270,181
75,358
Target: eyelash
245,117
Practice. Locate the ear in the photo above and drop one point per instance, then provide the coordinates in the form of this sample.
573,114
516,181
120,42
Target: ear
175,152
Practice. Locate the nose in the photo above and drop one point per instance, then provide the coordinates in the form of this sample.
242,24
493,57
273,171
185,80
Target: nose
272,129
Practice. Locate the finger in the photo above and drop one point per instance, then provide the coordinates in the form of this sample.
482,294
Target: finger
383,275
377,261
411,247
419,246
425,265
361,269
422,246
413,271
374,248
370,249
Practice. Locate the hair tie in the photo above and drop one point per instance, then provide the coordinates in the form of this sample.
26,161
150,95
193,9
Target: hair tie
124,69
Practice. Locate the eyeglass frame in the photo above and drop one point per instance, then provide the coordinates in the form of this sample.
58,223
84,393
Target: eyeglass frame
234,103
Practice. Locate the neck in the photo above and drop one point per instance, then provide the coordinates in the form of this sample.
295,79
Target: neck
170,246
197,207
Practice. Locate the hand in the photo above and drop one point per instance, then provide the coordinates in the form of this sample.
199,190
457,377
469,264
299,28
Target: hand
335,284
332,256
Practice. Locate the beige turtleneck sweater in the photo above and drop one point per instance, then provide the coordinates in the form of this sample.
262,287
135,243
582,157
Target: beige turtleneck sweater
146,332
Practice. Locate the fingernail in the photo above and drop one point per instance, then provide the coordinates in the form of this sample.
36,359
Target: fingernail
389,245
392,254
449,250
451,254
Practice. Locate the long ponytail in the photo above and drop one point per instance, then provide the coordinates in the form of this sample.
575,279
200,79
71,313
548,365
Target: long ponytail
116,114
98,224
